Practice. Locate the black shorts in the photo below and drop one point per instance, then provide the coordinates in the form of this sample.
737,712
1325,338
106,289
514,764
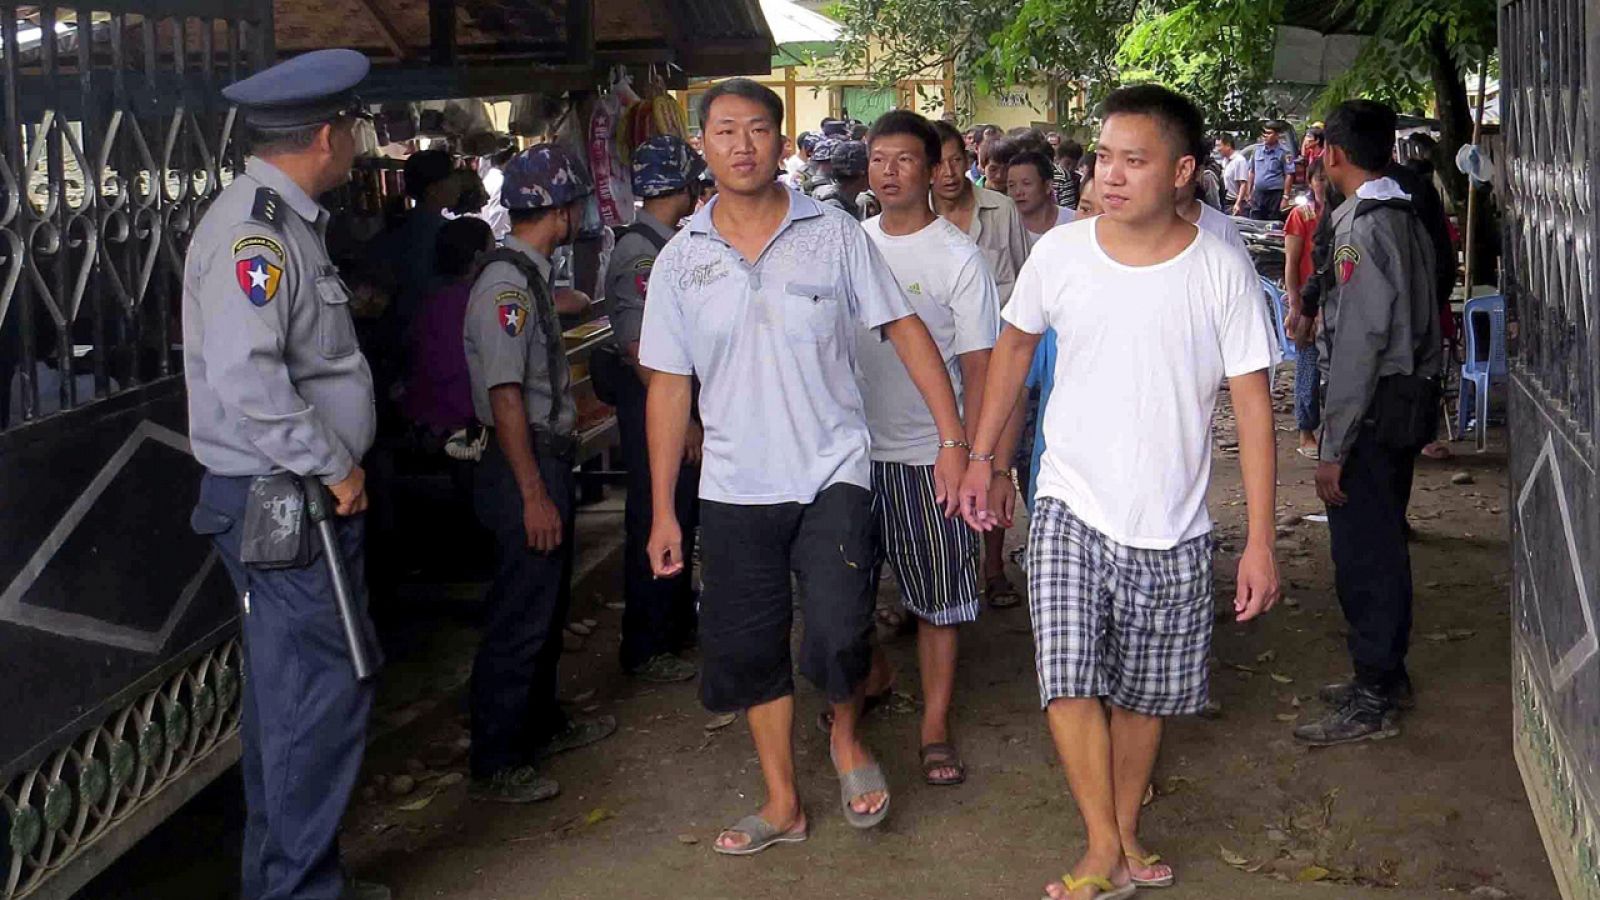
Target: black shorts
748,554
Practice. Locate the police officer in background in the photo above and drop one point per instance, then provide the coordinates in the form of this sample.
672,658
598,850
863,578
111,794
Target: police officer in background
659,619
278,389
523,488
821,165
1380,358
848,160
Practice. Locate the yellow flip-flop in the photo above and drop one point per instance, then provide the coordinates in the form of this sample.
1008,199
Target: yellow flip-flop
1146,862
1105,890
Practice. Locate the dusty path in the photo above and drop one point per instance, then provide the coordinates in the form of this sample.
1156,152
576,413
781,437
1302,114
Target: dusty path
1243,811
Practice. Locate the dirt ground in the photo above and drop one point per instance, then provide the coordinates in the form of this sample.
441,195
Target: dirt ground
1242,810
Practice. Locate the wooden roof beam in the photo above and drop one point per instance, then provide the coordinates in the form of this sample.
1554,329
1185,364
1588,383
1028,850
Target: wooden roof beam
391,35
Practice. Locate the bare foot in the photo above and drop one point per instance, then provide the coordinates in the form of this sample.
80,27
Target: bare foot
785,817
1135,854
847,757
1107,865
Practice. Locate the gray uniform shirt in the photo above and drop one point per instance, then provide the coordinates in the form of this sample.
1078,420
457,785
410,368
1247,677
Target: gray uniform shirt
1379,318
628,276
275,379
508,329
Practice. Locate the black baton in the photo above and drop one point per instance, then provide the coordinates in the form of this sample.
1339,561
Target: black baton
319,506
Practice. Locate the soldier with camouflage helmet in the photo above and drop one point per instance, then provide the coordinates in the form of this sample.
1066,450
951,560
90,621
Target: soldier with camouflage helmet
849,165
658,621
523,487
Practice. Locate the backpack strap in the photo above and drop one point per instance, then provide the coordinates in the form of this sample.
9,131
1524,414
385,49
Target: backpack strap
549,323
642,230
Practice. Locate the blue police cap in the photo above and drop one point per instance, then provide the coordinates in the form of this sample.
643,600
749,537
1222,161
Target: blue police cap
849,159
307,89
544,176
664,164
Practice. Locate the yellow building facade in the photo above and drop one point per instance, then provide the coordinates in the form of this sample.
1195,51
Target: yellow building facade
812,93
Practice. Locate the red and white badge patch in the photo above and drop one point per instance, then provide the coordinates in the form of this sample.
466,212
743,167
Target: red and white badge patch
1345,260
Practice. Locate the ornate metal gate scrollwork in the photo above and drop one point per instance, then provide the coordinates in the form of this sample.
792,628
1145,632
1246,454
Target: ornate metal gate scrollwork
85,789
1547,178
115,140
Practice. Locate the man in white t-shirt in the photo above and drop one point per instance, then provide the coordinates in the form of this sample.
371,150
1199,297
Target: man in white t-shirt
1119,552
951,290
1207,217
1235,170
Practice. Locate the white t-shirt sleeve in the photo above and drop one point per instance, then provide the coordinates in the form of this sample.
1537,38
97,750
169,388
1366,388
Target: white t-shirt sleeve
876,297
1026,310
975,306
1246,337
664,340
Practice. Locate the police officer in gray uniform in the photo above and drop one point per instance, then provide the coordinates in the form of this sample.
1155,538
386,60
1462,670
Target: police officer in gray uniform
659,619
848,161
278,390
523,488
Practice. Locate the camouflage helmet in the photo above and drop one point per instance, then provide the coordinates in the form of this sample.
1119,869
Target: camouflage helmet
824,150
544,176
849,159
809,141
664,165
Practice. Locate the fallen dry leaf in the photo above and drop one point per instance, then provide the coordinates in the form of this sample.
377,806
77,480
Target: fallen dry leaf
1282,679
415,805
1286,717
597,815
1311,873
1266,656
1232,858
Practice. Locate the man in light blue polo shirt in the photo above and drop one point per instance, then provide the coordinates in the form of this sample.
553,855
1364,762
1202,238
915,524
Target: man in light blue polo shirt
1270,170
760,297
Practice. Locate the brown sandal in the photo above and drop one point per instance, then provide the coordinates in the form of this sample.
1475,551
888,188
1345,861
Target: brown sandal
1001,593
942,755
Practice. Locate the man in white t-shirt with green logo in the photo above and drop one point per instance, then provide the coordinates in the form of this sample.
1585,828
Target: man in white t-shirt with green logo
948,283
1150,314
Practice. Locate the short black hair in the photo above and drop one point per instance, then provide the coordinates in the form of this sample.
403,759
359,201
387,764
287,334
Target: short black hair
458,245
426,168
1278,125
1040,162
749,90
1069,149
526,216
279,141
904,121
1227,139
1031,139
948,133
1088,167
1176,114
1364,130
1001,150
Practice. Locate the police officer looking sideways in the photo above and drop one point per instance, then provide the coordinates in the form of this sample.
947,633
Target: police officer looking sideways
278,388
523,488
658,620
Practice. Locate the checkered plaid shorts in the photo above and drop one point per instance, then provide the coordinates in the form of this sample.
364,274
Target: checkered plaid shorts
1127,624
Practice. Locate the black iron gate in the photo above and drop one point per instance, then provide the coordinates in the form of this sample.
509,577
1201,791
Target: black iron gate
118,666
1549,56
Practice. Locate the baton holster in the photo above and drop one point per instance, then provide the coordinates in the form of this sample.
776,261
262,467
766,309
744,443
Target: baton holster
277,531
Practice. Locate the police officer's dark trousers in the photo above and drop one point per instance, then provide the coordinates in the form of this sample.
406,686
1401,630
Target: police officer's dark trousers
304,723
1371,560
513,696
659,616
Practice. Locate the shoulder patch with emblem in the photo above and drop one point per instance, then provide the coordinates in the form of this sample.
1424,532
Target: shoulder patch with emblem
268,207
1345,260
258,278
641,275
512,309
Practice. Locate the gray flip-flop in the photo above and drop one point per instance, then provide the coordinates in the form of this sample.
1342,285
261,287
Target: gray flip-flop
867,779
762,834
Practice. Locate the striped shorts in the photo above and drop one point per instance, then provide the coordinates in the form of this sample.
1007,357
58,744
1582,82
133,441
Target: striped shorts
935,559
1127,624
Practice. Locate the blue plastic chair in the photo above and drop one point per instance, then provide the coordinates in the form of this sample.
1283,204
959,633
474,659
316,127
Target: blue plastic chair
1275,300
1482,369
